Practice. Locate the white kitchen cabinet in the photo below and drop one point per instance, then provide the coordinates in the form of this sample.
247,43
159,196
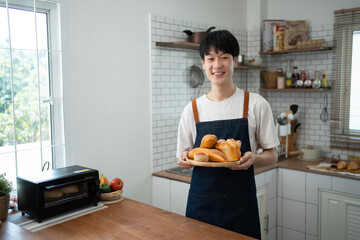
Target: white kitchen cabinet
339,216
179,192
170,195
261,195
161,193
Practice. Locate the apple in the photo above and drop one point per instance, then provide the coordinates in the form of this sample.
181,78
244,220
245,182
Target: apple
116,184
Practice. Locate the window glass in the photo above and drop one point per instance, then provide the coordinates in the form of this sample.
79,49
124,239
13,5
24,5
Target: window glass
31,109
355,84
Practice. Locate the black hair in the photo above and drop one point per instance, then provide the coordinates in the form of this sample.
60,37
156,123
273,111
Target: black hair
221,40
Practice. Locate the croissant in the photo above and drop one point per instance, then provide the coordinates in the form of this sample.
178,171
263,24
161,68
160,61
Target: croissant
352,166
341,165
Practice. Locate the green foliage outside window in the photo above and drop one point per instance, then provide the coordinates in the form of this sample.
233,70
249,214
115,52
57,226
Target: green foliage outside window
26,100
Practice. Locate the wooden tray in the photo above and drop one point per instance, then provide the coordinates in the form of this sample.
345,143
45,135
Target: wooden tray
212,164
333,169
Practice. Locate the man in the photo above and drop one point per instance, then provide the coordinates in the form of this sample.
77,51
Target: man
226,197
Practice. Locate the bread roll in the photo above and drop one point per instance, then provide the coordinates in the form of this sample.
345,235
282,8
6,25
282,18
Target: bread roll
230,148
341,165
70,189
352,166
214,155
53,194
208,141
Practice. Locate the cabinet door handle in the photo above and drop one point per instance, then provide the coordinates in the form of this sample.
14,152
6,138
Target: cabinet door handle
266,228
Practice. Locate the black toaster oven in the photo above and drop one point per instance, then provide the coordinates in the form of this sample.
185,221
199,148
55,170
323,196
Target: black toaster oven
57,191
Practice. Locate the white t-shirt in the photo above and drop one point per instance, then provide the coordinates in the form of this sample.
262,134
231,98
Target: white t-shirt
260,118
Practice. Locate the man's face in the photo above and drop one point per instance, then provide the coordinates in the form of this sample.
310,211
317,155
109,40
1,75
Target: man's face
219,67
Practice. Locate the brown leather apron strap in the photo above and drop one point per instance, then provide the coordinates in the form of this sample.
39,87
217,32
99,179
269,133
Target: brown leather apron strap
246,104
195,111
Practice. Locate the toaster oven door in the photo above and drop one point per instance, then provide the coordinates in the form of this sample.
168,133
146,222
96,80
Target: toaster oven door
70,192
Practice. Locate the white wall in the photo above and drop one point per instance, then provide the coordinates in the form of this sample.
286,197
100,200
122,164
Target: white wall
106,60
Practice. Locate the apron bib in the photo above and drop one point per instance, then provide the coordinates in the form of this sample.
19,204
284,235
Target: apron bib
221,196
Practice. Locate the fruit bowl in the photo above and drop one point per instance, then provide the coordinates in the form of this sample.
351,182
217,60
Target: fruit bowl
111,195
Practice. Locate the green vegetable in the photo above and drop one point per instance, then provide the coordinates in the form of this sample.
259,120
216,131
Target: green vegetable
105,188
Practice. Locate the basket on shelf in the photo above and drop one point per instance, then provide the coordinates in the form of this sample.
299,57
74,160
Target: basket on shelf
355,159
270,77
111,195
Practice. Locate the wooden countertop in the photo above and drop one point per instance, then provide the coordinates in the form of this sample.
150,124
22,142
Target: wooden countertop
290,163
127,219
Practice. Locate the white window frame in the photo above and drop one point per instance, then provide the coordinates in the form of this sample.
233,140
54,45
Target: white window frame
52,8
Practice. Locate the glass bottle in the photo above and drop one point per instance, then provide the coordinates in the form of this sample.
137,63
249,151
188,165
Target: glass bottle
295,76
323,81
317,80
288,81
300,82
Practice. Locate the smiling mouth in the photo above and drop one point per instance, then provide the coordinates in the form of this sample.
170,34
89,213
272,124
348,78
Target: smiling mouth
218,73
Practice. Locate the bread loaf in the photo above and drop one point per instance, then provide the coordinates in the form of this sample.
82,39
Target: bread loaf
208,141
230,148
70,189
214,154
53,194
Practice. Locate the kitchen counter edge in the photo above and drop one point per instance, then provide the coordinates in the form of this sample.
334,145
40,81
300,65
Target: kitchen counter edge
290,163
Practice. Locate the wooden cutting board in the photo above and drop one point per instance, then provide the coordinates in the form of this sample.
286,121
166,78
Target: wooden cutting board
333,169
211,164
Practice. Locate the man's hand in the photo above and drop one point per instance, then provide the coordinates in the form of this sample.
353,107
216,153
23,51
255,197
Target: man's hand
245,162
182,161
268,157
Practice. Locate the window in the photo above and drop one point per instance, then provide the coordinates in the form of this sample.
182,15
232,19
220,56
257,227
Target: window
31,115
345,105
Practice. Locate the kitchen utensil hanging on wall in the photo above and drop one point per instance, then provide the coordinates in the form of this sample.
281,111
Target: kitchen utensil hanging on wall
196,76
294,108
324,116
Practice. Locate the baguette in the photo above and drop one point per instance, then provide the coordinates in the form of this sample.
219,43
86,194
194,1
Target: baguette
214,154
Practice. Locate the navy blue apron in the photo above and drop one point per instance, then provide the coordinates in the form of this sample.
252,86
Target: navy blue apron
220,196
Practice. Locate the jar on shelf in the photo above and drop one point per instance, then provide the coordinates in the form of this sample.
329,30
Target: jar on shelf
300,82
317,80
309,80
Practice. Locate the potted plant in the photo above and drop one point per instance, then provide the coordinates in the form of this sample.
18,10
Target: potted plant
5,189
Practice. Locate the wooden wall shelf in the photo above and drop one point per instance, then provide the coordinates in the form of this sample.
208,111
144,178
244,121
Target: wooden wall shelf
242,67
185,45
295,89
296,51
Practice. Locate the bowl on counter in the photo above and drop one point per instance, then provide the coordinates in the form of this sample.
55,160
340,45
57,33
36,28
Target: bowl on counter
309,153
